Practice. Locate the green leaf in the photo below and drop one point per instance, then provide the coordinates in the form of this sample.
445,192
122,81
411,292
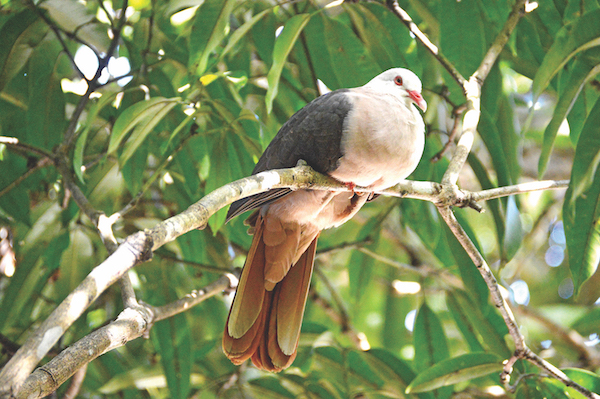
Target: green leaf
513,235
271,387
431,346
283,45
362,368
228,162
583,71
14,202
585,378
337,55
173,339
491,137
96,108
141,117
396,373
133,170
455,370
462,34
463,323
208,30
20,36
469,274
242,31
588,324
384,35
75,263
46,108
493,205
581,209
22,285
485,321
571,39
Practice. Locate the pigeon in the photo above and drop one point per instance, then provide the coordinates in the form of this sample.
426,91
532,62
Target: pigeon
370,137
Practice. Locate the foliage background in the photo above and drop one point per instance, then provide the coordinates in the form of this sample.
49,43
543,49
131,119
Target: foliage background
210,82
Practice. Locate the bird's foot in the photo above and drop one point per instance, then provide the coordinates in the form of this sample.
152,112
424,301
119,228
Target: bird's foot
352,186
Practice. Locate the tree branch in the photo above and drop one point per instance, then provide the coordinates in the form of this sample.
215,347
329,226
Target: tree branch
139,247
407,20
132,323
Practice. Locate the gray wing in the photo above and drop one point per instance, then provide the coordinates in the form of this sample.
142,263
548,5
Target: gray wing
312,134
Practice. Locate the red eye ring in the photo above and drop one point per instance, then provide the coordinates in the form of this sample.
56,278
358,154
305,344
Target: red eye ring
398,80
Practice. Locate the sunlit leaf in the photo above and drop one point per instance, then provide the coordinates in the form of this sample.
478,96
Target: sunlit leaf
514,229
455,370
139,119
581,73
585,378
575,37
283,45
581,210
208,30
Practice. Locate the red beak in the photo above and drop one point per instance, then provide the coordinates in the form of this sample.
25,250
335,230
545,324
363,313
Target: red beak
418,99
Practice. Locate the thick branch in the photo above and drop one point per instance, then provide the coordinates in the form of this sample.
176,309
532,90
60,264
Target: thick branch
133,251
132,323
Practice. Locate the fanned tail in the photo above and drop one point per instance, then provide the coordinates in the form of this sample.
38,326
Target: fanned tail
265,325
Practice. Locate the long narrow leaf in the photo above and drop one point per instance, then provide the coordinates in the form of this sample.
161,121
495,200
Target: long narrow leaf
581,210
283,45
455,370
581,73
208,30
582,34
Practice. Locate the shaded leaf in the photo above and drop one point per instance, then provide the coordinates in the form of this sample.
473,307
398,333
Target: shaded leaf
271,387
173,339
338,57
20,36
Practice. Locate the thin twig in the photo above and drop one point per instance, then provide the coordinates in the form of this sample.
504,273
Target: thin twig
203,266
195,297
569,336
497,297
41,163
407,20
517,12
456,113
339,304
15,143
423,270
492,193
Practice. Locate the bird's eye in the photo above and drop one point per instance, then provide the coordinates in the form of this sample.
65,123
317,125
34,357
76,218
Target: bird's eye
398,80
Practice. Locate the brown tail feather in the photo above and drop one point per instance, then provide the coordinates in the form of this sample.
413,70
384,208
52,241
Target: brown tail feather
265,325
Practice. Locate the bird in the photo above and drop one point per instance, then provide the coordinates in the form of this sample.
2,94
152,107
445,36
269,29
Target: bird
372,137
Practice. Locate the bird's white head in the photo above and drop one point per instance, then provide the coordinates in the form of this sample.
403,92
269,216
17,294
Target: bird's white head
400,82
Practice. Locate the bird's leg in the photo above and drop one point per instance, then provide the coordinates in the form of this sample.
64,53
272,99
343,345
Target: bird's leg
351,186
